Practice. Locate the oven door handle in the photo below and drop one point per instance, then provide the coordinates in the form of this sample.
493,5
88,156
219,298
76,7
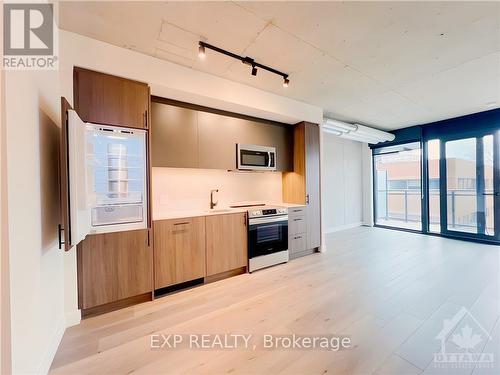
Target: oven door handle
266,220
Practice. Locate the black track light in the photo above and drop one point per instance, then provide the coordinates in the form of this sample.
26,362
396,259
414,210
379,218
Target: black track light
245,60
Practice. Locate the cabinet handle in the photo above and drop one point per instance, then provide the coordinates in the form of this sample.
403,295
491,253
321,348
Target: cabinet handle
297,219
60,229
296,238
183,223
307,198
297,210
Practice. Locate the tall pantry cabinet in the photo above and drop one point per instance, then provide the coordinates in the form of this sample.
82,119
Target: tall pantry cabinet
302,186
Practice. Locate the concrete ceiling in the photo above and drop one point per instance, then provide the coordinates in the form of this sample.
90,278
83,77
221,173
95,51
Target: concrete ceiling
384,64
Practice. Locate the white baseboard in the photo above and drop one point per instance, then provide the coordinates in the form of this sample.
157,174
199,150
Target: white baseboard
343,227
52,347
73,318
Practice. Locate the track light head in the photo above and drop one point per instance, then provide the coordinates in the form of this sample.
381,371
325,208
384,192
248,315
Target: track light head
286,81
254,71
201,51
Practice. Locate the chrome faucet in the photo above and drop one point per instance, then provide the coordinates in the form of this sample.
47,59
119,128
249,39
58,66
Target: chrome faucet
212,203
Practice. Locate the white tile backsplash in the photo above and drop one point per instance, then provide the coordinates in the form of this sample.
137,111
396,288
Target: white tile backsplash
177,189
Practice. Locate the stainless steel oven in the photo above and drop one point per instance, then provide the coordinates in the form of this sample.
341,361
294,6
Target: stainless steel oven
254,157
267,237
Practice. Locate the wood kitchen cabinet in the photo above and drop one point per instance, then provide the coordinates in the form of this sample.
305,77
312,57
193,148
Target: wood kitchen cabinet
189,136
105,99
175,136
179,250
114,267
226,244
302,186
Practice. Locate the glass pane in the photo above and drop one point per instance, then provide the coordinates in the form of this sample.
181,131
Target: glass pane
488,185
434,192
461,185
398,187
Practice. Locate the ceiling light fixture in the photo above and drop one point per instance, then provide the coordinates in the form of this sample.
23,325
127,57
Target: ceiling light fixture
201,51
245,60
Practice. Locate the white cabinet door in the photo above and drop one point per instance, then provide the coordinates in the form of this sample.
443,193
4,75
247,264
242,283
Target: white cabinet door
77,169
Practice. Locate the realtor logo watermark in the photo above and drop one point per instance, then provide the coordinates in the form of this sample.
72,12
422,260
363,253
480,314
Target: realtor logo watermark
463,342
29,36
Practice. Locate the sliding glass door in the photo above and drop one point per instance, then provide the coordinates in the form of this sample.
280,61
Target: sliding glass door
398,187
442,178
469,191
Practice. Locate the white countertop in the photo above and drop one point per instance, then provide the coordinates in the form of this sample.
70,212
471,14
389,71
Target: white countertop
166,215
194,213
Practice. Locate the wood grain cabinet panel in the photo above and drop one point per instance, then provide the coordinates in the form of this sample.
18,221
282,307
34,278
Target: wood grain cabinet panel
226,242
175,139
302,186
105,99
179,250
313,212
114,266
218,136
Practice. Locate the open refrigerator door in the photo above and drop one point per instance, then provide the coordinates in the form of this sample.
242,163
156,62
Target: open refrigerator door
79,211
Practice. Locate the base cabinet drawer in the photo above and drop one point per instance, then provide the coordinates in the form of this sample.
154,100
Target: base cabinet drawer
179,250
297,224
297,243
296,211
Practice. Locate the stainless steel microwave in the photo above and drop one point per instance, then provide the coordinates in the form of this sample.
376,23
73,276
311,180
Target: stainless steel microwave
254,157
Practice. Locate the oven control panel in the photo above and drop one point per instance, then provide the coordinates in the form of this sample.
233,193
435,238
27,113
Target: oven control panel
268,212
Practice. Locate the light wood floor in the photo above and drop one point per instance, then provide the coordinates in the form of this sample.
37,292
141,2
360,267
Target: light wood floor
389,291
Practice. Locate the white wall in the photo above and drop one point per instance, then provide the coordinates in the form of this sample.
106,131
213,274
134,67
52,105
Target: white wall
342,183
36,263
5,344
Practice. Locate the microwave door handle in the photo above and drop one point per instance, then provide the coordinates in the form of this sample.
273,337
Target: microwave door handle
269,159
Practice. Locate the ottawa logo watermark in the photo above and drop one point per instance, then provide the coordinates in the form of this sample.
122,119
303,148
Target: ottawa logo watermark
463,342
30,37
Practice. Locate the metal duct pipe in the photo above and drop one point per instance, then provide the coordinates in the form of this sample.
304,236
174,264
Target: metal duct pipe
360,138
341,126
365,130
355,132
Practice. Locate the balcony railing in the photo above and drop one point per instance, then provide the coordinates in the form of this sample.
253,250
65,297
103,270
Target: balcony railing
404,206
